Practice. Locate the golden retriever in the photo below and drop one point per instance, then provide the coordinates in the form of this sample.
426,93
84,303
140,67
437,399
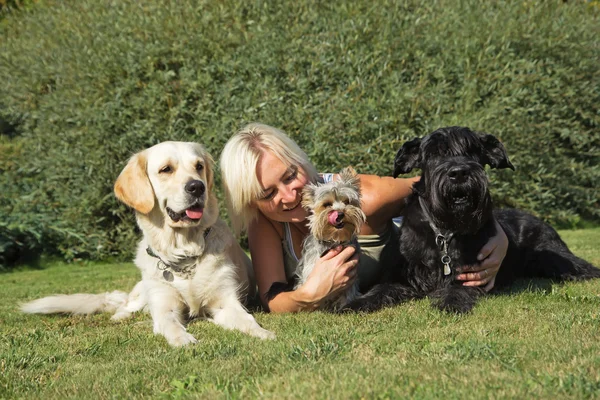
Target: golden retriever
190,262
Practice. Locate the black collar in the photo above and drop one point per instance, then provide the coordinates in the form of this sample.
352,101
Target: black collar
331,244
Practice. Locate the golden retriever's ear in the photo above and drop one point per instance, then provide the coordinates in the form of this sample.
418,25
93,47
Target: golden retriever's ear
133,186
209,165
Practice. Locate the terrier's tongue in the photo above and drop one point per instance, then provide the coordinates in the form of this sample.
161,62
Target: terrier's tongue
332,217
194,213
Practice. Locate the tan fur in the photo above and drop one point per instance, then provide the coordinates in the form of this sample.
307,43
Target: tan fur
133,187
321,200
217,275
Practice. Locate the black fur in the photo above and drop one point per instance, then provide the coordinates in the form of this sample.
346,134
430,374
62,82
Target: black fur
453,194
280,287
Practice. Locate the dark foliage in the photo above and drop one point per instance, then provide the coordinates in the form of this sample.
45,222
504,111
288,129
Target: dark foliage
85,84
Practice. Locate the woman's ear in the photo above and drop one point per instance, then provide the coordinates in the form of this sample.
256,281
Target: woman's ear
133,186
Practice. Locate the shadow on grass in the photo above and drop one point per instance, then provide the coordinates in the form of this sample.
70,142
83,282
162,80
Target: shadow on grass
526,285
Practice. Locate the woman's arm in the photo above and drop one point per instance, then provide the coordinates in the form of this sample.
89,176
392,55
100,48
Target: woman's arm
332,273
490,259
383,198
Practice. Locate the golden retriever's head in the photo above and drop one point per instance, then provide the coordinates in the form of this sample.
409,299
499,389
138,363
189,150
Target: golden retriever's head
174,178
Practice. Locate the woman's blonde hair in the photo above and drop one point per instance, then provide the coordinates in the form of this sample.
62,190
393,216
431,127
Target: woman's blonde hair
238,168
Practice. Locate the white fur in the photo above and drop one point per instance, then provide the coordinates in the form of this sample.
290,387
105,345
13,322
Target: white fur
77,303
221,273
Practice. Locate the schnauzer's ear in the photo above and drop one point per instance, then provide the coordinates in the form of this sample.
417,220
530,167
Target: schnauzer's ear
349,176
407,157
494,153
308,196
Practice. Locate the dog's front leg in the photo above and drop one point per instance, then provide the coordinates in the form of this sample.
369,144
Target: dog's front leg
456,298
167,309
230,314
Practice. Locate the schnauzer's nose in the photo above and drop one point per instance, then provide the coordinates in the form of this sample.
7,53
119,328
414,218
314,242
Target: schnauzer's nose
458,174
340,217
196,188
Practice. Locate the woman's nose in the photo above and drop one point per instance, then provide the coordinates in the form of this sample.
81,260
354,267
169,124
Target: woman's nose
288,194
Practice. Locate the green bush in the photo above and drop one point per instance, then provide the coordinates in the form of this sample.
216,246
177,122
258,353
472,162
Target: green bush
88,83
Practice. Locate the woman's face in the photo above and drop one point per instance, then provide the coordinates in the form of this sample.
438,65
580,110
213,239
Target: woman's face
282,189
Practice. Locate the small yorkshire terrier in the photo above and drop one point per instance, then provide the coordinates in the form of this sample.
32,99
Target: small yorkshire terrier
335,219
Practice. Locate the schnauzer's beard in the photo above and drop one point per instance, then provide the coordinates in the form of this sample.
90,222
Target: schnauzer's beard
458,207
323,231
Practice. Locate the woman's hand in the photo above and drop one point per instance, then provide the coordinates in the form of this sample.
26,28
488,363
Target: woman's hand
490,259
333,272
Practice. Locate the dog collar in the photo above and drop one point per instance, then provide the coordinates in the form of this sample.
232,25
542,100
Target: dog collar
441,240
165,266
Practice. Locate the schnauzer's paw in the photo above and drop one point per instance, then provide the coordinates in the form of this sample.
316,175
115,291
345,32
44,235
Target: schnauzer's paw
182,339
453,307
360,305
457,299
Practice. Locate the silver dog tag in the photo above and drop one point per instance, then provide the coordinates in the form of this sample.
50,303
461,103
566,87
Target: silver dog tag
447,269
168,276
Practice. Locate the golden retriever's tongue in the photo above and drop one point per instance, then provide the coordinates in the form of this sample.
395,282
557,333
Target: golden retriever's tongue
194,213
332,217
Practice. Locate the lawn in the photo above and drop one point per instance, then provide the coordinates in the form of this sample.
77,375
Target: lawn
541,341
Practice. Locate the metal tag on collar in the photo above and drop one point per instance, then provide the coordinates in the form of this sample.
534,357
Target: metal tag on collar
168,275
446,261
441,241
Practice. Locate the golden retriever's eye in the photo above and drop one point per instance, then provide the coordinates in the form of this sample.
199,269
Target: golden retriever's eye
165,170
199,167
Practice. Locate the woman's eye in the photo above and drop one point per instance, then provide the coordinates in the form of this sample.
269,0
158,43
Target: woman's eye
199,167
291,176
268,196
165,170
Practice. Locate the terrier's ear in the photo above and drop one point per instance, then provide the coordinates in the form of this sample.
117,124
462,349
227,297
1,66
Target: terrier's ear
349,176
133,186
408,157
308,196
494,153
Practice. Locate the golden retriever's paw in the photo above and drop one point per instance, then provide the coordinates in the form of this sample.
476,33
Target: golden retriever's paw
120,316
262,333
182,339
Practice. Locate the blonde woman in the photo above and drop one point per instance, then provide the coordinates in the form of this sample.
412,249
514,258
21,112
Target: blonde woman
264,172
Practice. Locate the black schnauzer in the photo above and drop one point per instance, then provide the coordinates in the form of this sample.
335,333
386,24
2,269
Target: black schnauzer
449,218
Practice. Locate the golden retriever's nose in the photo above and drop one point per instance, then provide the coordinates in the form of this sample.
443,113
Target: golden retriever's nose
196,188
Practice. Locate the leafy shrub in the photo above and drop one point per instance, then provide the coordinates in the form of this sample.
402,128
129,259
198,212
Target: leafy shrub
88,83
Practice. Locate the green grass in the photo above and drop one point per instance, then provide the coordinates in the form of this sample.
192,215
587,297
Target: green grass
541,342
